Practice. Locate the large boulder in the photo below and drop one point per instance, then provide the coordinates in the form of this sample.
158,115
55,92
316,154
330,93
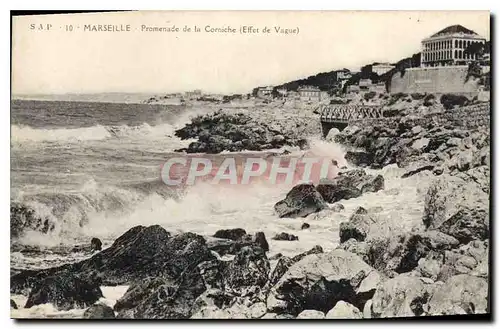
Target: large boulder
401,253
139,253
99,311
447,195
249,268
301,201
402,296
319,281
467,225
231,234
65,292
349,184
463,292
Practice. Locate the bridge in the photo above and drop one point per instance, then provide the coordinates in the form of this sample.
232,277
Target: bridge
340,115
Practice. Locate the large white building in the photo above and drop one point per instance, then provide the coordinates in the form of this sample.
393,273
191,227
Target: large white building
447,47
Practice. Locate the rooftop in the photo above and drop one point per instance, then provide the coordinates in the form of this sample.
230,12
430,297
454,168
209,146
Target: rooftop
454,29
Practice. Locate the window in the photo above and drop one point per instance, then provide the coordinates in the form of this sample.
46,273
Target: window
456,53
456,44
460,54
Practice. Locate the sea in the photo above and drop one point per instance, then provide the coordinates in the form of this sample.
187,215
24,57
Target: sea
93,169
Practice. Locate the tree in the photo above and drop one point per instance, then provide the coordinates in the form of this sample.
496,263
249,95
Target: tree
475,48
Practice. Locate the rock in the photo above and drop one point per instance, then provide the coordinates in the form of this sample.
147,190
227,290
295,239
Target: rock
162,297
95,244
231,234
402,296
357,227
362,249
319,281
99,311
65,292
467,225
13,304
285,237
349,184
420,144
305,226
343,310
301,201
139,253
250,267
276,256
24,217
317,249
401,253
465,260
430,266
311,314
259,240
359,159
464,291
449,194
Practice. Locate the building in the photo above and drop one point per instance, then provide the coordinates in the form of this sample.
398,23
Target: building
344,74
309,93
265,92
448,47
382,68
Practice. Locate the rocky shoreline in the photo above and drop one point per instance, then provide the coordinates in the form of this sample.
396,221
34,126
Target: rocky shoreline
378,270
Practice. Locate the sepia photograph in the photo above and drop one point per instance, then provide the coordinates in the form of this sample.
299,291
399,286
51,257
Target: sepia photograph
273,165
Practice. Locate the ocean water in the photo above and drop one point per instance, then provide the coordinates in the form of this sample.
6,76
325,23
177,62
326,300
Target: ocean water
94,170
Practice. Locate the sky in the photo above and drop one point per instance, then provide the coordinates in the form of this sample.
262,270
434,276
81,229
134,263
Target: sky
58,61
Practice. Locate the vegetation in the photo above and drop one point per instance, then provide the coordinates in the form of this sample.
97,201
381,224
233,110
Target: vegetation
449,101
429,100
417,96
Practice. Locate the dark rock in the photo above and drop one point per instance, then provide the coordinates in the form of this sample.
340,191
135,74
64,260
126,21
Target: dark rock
285,237
162,297
463,292
349,184
359,159
318,282
402,296
467,225
13,304
99,311
95,244
301,201
305,226
317,249
139,253
231,234
65,292
401,253
417,170
250,267
357,227
276,256
23,217
259,240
